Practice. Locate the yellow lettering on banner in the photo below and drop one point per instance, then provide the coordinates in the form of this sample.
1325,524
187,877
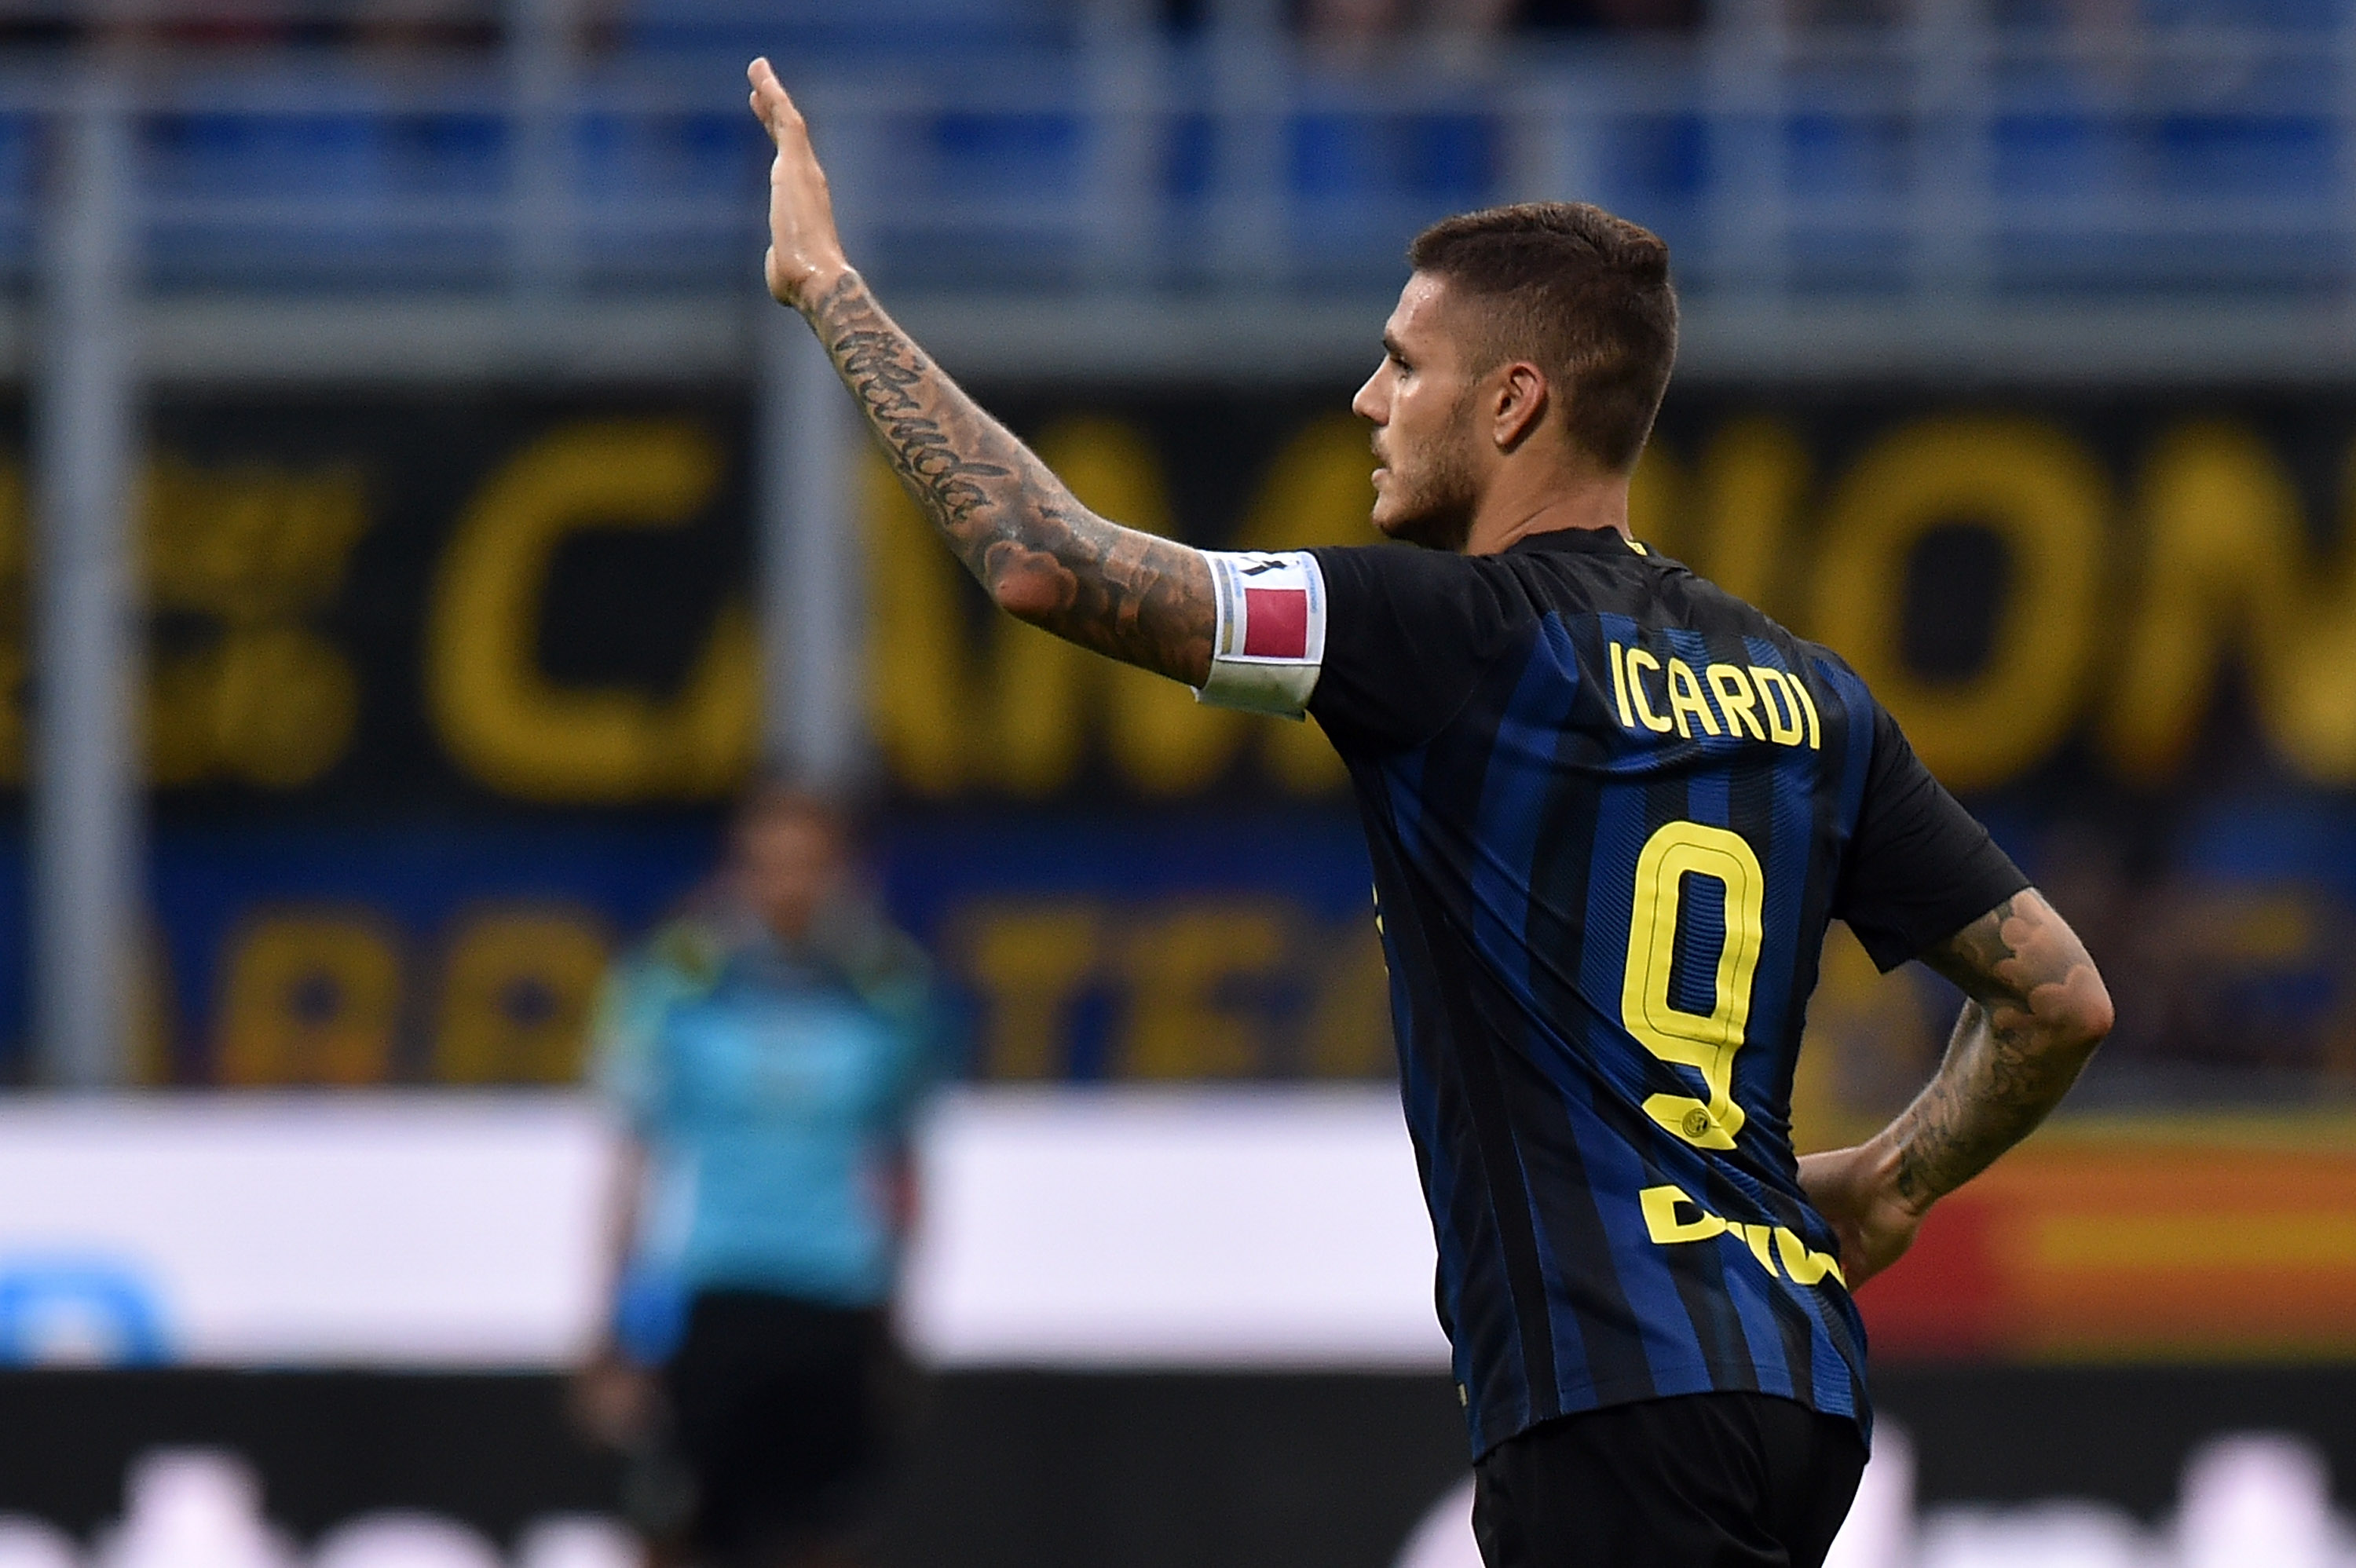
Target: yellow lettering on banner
2229,570
247,541
1731,517
272,705
249,551
1656,498
1030,963
1753,478
309,998
1198,988
1732,689
2039,492
1644,714
1660,1205
516,991
1349,1033
503,720
919,688
1319,491
1184,970
1163,741
1684,697
1805,1267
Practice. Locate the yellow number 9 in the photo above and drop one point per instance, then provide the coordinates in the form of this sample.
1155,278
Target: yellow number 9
1706,1044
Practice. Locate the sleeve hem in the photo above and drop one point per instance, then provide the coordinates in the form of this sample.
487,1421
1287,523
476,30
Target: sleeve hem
1890,951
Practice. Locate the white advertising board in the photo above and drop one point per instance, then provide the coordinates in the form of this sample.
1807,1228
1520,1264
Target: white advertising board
1237,1228
271,1230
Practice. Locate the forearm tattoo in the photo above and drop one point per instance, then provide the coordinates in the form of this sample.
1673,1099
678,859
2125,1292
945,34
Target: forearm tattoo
2035,1009
1042,555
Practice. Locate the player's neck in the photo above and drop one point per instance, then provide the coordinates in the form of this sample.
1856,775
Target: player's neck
1512,511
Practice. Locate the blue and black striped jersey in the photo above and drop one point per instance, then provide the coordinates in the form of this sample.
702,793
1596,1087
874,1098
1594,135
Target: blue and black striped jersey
1610,811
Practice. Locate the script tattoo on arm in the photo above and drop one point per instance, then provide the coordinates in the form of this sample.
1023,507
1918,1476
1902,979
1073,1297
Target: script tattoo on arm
2035,1009
1044,557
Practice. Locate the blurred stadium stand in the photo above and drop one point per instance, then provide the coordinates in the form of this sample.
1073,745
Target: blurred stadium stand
2014,190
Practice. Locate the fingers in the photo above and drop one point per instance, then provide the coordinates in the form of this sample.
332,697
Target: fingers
772,105
766,88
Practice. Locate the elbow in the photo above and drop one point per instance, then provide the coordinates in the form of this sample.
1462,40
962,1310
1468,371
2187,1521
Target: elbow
2058,1025
2084,1019
1028,584
2099,1018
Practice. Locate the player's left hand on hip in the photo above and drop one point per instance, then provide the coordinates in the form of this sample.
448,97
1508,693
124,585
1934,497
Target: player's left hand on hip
805,249
1853,1190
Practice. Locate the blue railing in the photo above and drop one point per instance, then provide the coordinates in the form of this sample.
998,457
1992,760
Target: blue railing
997,150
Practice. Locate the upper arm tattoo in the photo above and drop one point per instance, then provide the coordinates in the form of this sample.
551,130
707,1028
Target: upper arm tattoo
1045,557
2019,961
2031,997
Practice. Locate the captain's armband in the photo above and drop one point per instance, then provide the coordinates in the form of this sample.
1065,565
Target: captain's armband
1270,641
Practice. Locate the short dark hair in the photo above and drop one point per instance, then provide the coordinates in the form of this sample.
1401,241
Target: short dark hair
1582,295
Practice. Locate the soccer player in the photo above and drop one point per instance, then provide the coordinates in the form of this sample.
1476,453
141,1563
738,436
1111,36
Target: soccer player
1610,811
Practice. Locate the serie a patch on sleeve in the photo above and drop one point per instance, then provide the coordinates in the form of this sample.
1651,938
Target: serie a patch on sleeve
1271,635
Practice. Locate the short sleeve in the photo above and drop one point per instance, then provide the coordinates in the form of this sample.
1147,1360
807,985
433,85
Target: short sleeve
1408,634
1919,868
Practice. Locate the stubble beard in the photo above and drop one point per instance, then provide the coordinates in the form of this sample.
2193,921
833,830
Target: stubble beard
1435,511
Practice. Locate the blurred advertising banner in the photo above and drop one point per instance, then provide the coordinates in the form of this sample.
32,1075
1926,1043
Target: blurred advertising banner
445,695
1206,1230
2151,1241
522,602
269,1230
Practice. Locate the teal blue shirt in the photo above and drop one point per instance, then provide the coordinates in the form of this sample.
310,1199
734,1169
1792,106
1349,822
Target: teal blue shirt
773,1088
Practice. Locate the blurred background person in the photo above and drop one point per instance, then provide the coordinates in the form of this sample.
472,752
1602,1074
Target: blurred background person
768,1051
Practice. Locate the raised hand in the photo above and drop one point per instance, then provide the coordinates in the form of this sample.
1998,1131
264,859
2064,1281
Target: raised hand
1043,556
805,249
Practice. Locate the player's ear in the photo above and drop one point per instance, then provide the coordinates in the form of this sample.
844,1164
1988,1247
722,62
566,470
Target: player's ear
1520,404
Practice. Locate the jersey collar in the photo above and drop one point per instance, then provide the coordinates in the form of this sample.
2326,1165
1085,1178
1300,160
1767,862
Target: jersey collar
1588,541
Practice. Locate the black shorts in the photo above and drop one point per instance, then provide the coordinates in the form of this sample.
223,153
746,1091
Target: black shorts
777,1420
1708,1480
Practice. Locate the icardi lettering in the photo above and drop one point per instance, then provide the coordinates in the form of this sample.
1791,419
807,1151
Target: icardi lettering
1741,702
